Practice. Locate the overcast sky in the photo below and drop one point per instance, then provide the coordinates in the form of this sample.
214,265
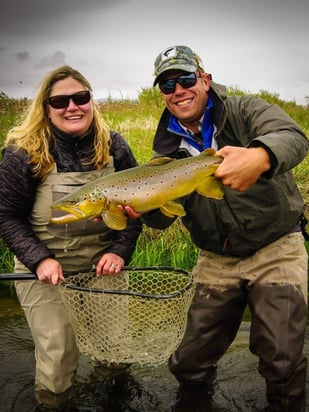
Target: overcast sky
250,44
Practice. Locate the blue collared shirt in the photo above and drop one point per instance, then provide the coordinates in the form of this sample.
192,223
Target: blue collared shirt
207,129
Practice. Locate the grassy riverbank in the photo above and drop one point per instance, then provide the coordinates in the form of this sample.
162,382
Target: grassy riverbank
136,121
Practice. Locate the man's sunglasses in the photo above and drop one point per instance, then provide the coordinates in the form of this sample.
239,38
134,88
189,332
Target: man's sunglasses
62,101
185,81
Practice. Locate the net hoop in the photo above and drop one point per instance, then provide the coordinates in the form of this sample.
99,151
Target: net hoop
73,286
137,316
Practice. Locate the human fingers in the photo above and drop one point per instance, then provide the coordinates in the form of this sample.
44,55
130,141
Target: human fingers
132,213
129,211
109,264
49,270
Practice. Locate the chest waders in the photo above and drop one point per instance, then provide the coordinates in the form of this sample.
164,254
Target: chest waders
273,282
80,247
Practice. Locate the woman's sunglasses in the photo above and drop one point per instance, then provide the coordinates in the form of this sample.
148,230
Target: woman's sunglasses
62,101
185,80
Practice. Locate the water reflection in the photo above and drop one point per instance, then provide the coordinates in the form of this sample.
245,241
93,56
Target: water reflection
143,389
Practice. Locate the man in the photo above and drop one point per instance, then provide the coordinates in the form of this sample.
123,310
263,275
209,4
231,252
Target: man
251,246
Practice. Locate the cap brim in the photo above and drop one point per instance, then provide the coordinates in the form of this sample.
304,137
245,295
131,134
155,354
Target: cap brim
190,68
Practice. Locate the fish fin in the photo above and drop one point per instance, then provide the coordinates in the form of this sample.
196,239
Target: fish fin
210,187
157,161
114,218
208,152
172,209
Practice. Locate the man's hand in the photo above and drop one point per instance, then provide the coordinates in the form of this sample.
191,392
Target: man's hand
241,167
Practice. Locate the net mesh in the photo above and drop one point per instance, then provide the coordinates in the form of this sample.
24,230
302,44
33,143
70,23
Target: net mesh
138,316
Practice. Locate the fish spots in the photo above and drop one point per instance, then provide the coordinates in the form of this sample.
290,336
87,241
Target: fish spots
159,182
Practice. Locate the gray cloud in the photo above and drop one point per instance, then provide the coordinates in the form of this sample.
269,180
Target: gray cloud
57,58
256,45
23,56
25,16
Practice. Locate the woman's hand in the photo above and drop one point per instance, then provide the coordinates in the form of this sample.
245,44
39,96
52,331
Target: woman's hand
109,264
128,211
131,212
49,270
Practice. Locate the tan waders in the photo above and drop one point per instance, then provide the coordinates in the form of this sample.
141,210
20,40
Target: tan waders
56,353
274,284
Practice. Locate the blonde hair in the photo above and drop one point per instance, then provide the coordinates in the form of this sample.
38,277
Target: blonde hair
34,133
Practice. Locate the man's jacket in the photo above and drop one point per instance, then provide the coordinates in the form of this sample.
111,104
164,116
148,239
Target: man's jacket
242,222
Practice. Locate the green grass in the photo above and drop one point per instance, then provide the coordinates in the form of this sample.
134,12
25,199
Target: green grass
136,121
172,247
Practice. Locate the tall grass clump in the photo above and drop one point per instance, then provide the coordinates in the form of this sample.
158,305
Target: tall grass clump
171,247
10,112
136,120
6,259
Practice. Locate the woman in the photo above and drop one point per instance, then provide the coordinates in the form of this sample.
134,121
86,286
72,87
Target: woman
61,143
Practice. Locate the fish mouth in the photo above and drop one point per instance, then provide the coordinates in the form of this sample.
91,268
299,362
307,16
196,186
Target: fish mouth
72,216
68,218
76,212
63,219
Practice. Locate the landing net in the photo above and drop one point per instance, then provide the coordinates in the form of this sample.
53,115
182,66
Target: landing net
138,316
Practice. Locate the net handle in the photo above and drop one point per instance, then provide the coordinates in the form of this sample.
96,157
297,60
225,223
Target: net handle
33,276
137,294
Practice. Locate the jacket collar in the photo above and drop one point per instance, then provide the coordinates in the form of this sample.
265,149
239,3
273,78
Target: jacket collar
166,142
66,140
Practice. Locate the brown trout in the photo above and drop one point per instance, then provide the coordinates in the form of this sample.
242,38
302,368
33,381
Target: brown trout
155,184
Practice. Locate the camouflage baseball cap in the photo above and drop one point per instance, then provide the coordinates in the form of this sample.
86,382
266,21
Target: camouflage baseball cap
179,58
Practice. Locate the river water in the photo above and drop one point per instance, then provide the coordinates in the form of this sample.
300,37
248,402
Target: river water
144,389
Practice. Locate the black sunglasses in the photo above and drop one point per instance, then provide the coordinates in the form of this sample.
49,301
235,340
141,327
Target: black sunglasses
62,101
185,80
